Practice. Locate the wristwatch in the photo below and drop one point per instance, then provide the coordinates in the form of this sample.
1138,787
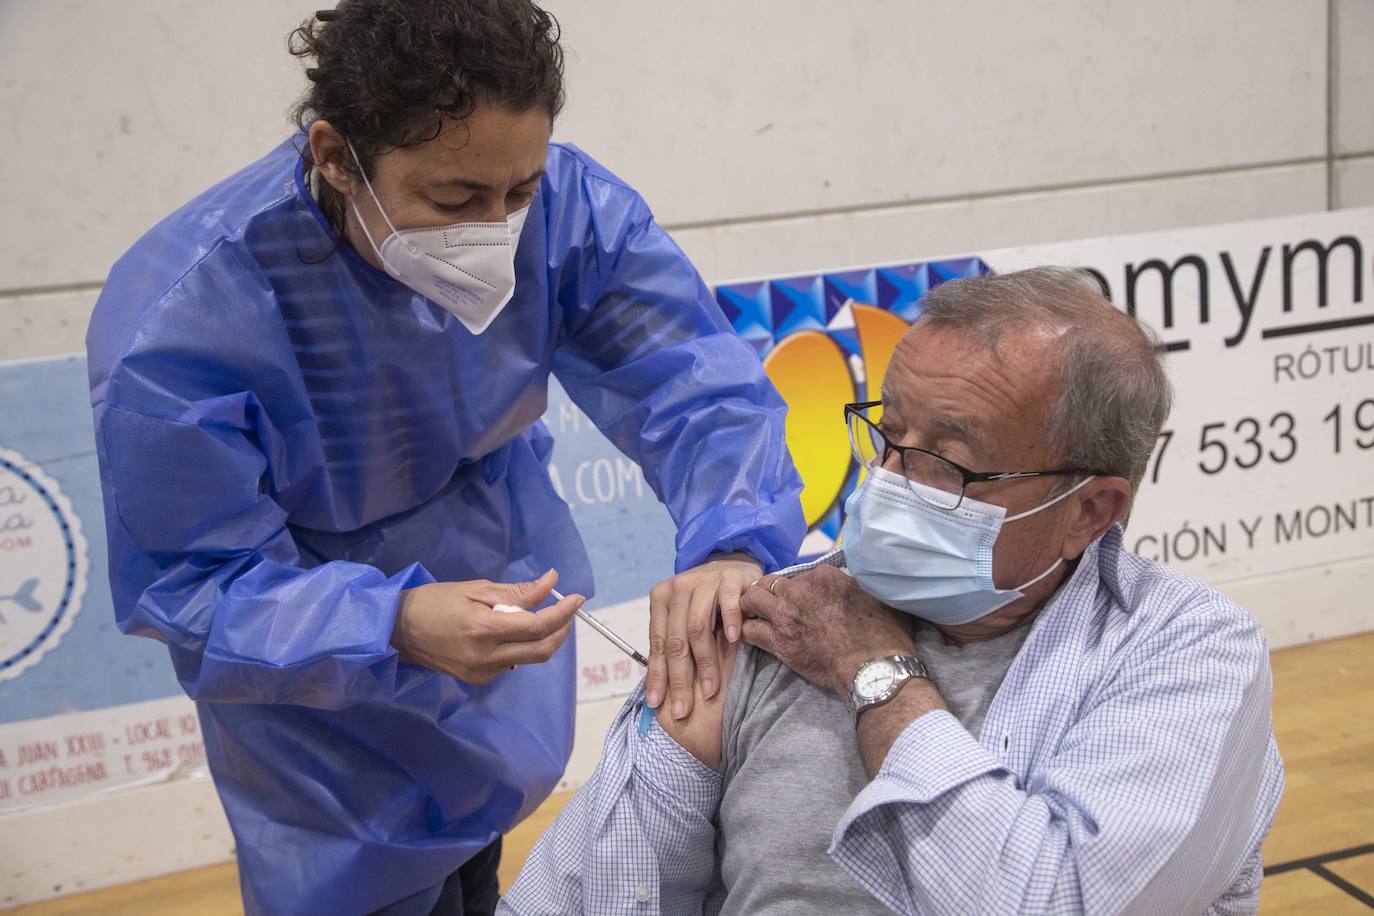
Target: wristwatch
879,679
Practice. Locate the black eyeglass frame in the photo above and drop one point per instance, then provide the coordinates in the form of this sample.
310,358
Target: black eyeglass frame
969,477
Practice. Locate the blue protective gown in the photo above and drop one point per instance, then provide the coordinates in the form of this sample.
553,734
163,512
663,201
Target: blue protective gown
288,438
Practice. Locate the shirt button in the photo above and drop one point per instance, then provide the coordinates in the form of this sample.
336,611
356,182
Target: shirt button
642,893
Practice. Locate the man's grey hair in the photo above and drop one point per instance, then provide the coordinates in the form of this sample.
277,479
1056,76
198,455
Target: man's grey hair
1114,395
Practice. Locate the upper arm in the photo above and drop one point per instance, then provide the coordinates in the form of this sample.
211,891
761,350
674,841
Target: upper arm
700,731
645,351
1168,770
206,475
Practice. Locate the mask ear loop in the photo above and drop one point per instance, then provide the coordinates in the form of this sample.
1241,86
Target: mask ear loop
1069,492
1055,565
363,223
1025,585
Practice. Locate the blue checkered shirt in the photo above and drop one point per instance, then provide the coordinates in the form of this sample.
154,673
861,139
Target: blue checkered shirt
1127,763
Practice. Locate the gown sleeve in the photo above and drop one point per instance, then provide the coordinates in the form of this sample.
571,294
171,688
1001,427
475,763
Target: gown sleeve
638,837
202,560
1148,804
649,356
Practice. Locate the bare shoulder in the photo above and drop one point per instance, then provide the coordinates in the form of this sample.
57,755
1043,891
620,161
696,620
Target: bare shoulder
700,731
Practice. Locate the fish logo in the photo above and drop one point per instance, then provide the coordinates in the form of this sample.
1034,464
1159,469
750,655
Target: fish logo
24,598
43,564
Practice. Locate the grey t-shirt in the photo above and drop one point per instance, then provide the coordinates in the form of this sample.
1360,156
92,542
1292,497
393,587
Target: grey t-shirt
791,768
968,676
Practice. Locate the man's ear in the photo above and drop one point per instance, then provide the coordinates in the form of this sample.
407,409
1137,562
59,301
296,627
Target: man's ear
329,151
1099,505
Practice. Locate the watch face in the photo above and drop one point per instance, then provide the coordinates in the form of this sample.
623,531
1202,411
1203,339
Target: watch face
875,679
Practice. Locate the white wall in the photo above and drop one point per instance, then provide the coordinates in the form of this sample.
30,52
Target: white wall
1352,99
769,136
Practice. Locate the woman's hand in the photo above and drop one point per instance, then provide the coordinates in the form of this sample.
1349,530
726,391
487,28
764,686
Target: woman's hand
682,617
701,732
450,627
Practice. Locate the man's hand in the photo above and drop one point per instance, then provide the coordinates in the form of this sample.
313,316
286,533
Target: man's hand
823,626
450,627
682,616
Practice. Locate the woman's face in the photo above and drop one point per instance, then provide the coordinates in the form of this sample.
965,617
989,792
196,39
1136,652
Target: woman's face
477,170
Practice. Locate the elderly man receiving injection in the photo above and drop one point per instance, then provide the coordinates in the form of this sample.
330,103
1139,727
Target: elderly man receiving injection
981,703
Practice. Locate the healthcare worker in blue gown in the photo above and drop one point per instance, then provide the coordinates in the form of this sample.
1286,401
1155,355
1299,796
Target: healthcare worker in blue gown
317,391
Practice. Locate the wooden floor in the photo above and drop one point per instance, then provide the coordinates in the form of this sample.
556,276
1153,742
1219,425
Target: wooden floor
1323,716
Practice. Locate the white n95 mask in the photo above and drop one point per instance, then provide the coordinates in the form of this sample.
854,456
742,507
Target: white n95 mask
933,563
466,268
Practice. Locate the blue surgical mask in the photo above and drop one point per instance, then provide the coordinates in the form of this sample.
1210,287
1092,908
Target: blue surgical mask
933,563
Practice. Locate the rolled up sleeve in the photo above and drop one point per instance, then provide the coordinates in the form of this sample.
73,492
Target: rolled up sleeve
637,838
1147,804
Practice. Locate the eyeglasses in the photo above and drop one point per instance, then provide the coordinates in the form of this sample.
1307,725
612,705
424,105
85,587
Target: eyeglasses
933,479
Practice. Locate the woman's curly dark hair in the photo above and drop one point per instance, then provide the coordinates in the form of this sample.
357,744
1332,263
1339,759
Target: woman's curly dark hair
387,73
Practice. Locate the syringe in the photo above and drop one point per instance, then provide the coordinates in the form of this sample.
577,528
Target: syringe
605,631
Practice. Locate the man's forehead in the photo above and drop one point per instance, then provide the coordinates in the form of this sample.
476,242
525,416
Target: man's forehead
947,417
947,379
1023,353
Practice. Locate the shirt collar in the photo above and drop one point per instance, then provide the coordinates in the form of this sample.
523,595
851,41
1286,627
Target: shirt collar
1101,563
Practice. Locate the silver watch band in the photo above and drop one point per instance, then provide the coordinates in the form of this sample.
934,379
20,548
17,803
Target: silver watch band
907,667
